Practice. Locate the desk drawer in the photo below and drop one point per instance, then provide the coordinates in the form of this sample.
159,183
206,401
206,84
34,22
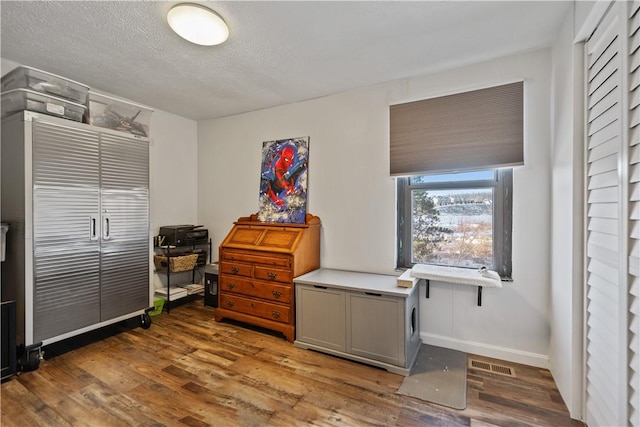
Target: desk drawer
273,274
266,310
236,269
276,260
263,290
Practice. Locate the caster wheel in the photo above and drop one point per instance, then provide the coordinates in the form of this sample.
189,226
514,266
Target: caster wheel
30,360
145,321
33,361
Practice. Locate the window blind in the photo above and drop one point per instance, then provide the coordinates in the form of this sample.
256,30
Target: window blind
480,129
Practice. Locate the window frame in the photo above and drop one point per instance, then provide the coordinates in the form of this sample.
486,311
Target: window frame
502,186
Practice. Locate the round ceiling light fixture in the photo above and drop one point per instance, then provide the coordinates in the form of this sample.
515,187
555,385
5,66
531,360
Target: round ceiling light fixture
197,24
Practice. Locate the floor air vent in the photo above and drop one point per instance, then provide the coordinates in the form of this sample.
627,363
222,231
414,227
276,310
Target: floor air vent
494,368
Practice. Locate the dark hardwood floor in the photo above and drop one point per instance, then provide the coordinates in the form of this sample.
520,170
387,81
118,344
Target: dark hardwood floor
188,370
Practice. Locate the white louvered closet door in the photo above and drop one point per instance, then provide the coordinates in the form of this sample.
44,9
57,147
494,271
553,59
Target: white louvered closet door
605,370
613,220
634,213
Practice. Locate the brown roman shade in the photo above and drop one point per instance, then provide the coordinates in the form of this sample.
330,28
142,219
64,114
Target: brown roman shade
481,129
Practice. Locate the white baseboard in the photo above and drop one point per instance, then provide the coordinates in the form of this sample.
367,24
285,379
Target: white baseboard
487,350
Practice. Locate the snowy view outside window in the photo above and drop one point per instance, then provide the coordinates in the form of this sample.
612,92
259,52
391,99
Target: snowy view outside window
452,226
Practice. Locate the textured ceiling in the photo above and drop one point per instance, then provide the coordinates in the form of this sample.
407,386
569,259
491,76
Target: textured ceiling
278,52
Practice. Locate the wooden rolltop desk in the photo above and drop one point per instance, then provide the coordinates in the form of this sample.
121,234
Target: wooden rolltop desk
257,264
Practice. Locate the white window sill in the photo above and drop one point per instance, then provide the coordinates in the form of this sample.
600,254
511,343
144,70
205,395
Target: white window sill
462,276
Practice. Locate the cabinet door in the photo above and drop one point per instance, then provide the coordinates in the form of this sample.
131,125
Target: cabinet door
125,251
66,198
320,316
375,327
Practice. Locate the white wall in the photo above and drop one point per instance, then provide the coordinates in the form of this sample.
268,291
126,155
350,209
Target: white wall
349,185
351,191
565,353
6,66
173,178
173,159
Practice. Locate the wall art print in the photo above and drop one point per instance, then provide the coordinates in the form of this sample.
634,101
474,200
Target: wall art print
283,181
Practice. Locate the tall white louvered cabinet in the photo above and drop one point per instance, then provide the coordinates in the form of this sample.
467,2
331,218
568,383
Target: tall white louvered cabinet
76,198
612,232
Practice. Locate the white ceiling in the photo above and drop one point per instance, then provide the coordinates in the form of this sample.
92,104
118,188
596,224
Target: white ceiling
278,52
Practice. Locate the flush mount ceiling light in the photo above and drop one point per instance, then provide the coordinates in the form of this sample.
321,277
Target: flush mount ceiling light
197,24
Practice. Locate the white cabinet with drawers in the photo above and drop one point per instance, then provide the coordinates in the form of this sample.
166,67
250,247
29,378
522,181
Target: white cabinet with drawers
361,316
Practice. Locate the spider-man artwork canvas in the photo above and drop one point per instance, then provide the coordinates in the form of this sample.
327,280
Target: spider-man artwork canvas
283,182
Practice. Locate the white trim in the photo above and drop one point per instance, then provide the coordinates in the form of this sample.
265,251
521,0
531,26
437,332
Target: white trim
487,350
585,234
593,18
575,402
623,210
28,236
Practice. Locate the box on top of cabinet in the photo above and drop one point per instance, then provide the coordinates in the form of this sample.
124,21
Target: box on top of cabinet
26,99
112,113
24,77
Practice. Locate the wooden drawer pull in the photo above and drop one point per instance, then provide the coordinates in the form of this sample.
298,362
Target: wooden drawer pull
234,270
276,294
230,303
275,314
231,285
272,275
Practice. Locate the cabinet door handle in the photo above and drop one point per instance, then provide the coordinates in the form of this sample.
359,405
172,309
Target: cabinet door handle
275,314
106,232
230,303
373,294
235,270
271,275
319,287
276,294
93,232
230,285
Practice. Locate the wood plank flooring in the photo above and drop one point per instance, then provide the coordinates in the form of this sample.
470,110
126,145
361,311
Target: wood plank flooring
188,370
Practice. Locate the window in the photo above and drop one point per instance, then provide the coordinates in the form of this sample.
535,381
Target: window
460,219
453,155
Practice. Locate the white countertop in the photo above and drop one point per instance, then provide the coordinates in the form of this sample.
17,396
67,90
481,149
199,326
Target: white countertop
353,280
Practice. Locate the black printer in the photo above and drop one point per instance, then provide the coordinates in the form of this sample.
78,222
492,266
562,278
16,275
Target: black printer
181,235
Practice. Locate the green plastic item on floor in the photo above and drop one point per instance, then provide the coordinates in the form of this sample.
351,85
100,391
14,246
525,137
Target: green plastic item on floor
158,304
